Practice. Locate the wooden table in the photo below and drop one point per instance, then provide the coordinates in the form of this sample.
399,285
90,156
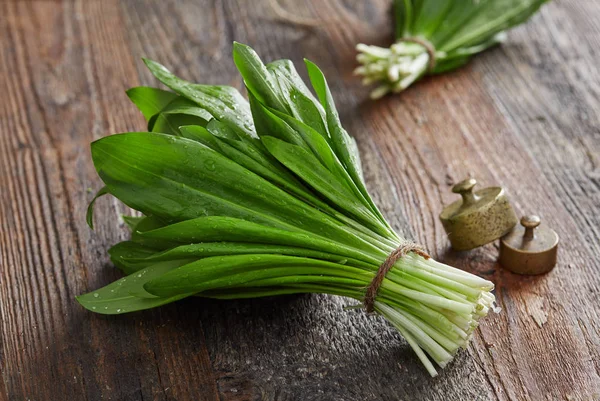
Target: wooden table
525,116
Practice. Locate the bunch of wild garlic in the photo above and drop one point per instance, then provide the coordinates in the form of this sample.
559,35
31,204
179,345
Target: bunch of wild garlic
435,36
250,199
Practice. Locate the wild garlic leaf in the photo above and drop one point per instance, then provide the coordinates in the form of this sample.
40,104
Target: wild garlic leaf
429,15
169,123
290,130
285,74
224,103
179,112
150,101
267,123
132,221
257,78
228,229
251,147
343,144
301,103
280,177
117,297
222,130
200,134
268,167
208,249
229,271
121,253
462,55
484,19
148,223
306,166
184,182
320,147
182,105
190,180
313,141
89,216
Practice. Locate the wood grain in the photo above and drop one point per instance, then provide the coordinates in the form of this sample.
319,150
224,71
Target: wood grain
523,116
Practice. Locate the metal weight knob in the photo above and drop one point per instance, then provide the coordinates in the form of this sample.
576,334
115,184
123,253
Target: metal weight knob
479,217
529,249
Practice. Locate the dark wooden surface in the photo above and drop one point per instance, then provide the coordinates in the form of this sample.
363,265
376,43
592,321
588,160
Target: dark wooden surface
525,116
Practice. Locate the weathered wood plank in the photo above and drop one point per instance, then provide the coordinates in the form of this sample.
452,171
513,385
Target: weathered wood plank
68,63
520,116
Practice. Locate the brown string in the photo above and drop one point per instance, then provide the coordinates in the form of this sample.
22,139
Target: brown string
428,47
385,267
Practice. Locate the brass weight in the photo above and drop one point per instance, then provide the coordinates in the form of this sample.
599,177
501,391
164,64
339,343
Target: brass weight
530,248
479,217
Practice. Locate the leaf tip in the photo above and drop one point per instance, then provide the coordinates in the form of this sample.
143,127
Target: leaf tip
89,215
242,49
155,67
309,63
81,300
89,218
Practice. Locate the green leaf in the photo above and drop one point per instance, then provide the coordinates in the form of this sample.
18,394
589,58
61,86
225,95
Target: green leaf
271,169
257,78
429,16
170,123
123,252
230,271
89,216
148,223
268,124
208,249
181,105
301,103
240,153
202,135
252,147
132,221
177,113
223,102
117,297
190,180
402,11
285,127
227,229
307,166
150,101
471,22
343,144
319,146
183,183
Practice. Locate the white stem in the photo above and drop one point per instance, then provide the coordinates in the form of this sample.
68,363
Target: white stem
395,68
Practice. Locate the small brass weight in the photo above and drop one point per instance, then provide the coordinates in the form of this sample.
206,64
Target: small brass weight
479,218
529,249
